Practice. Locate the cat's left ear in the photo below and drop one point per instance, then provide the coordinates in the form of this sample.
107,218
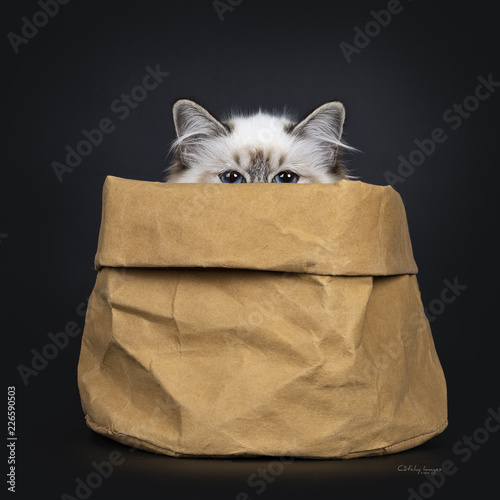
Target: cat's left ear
324,124
191,119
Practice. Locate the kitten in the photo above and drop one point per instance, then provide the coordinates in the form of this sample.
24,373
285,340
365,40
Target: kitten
262,147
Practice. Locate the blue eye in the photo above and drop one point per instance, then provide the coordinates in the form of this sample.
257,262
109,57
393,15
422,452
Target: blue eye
232,177
288,177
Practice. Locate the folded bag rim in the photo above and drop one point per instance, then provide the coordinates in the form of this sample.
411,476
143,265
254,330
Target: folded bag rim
156,227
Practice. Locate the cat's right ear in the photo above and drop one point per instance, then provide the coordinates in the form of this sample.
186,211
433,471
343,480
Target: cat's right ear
192,120
324,124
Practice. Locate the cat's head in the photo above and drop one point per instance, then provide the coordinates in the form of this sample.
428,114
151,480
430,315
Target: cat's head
261,147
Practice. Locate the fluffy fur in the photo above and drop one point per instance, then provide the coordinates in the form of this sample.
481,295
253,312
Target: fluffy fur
261,147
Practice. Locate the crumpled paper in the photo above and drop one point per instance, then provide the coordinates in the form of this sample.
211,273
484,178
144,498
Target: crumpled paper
258,319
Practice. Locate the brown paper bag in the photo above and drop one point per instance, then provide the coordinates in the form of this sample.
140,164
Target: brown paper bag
258,319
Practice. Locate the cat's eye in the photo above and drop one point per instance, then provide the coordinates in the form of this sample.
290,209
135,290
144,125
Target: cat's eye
232,177
287,176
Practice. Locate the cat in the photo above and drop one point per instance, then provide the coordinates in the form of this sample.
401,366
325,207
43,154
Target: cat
261,147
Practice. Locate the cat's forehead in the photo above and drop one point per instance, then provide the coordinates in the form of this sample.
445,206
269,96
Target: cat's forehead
260,128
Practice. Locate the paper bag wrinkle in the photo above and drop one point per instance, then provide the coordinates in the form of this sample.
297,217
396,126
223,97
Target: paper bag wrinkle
293,236
156,385
178,336
159,231
136,311
380,227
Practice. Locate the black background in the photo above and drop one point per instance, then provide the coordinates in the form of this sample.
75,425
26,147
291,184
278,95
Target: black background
272,55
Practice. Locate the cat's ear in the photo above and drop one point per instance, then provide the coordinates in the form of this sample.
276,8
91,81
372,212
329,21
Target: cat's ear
192,120
323,125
